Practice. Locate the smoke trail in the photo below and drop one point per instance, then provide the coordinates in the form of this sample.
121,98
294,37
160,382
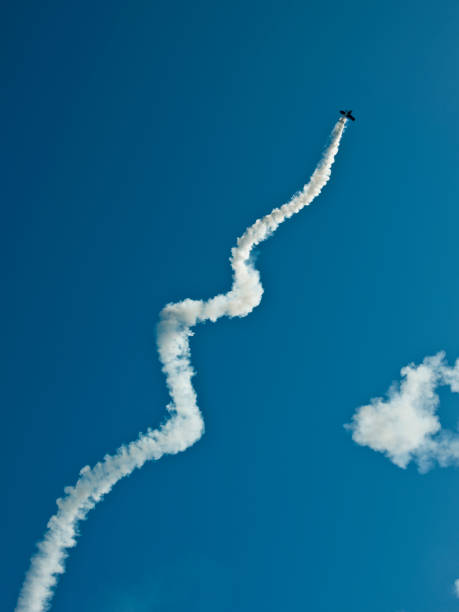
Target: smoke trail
185,425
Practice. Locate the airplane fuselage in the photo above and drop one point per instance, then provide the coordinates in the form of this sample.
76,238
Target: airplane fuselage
347,114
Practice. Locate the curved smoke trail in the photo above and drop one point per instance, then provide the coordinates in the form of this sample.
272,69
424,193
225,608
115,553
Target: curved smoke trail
185,425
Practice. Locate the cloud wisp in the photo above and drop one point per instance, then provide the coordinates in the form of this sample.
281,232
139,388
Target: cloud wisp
405,426
185,424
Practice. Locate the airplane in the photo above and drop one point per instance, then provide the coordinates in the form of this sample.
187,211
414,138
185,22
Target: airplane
347,114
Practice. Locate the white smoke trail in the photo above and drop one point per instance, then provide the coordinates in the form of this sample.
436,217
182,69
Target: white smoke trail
185,425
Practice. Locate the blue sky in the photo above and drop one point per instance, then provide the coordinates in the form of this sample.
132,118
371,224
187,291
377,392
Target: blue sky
140,139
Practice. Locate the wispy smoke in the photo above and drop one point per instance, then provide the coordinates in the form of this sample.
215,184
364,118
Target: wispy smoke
185,425
405,426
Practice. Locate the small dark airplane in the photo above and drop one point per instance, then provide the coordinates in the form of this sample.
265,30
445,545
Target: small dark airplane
348,115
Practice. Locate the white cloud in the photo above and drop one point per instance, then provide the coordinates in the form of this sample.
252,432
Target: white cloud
405,426
402,426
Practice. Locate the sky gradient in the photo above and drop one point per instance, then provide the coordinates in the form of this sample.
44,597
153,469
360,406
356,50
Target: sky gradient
140,141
